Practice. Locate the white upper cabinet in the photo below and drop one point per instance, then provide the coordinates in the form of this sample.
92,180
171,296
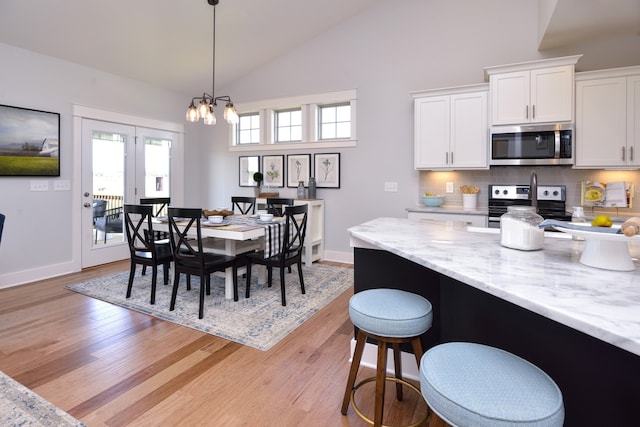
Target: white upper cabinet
532,92
450,128
608,119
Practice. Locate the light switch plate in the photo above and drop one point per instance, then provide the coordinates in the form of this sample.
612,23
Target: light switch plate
449,187
62,185
391,186
37,185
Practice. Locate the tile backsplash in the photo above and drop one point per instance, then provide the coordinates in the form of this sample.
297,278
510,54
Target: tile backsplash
435,182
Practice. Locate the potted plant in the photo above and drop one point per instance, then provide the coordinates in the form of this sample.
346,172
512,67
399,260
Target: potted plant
258,178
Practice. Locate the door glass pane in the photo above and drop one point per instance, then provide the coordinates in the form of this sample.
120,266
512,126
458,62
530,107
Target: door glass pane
108,187
156,167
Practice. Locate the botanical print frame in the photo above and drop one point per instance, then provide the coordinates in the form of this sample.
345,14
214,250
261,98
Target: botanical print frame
298,169
248,165
29,142
327,169
273,171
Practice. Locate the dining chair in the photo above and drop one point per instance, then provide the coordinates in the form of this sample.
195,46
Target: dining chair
191,259
295,226
2,217
144,250
276,205
160,204
245,205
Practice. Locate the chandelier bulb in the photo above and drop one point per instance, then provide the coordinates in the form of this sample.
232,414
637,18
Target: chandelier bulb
210,117
192,113
230,113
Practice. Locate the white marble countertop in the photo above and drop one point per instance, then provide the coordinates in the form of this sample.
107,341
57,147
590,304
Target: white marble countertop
449,210
551,282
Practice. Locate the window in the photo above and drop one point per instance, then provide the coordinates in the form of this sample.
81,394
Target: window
334,121
288,125
248,129
322,120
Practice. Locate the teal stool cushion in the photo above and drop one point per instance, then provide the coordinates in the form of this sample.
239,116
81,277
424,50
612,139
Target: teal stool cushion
390,313
469,384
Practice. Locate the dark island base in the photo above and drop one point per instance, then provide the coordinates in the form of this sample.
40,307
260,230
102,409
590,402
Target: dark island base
600,383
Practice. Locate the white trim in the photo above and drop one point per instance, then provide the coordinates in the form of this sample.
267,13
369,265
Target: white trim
127,119
295,146
296,101
344,257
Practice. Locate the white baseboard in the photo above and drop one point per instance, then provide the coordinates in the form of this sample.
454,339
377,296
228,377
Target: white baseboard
370,357
345,257
27,276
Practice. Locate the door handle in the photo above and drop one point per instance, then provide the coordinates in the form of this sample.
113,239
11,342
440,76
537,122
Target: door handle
87,205
623,153
533,111
631,154
526,111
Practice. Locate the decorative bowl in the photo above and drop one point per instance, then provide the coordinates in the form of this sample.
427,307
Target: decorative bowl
433,201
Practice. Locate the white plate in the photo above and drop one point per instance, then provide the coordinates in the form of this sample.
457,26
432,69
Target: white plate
216,224
588,233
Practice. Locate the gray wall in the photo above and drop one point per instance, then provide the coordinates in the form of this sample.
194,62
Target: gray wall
386,52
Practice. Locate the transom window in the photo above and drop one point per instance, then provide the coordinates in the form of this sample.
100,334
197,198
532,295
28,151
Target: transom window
326,120
288,125
248,129
334,121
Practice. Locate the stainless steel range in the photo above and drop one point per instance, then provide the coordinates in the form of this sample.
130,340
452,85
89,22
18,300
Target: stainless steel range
551,201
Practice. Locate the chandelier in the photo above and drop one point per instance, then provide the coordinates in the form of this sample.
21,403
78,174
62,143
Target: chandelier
207,102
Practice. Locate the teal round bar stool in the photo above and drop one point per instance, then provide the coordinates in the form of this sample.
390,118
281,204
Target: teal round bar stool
469,384
391,317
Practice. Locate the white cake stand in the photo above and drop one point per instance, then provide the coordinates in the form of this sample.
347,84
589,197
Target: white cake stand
608,251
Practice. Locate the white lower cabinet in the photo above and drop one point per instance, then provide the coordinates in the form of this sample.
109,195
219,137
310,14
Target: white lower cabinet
473,220
608,118
314,239
450,128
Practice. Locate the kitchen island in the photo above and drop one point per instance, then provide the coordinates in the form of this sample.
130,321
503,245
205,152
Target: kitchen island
578,323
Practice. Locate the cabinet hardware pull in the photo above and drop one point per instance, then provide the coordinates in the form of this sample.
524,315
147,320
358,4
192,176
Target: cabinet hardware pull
446,158
452,157
631,154
623,153
533,111
526,111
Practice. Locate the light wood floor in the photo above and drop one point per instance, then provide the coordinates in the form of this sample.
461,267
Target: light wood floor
109,366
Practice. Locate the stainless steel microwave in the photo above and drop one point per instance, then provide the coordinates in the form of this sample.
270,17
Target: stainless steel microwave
532,145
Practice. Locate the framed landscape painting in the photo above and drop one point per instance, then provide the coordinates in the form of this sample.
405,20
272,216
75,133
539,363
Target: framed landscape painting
298,169
29,142
327,170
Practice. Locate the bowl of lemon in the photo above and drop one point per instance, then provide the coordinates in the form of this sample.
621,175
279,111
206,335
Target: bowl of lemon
432,201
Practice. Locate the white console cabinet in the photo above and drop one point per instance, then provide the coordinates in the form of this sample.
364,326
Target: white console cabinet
314,239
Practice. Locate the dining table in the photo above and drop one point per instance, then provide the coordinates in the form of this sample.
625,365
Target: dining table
235,235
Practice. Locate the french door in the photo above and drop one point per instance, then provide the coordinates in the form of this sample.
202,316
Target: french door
120,164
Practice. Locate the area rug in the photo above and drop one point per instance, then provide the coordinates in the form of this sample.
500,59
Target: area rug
19,406
259,321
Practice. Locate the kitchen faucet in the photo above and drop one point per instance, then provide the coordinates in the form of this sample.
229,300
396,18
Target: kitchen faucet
533,190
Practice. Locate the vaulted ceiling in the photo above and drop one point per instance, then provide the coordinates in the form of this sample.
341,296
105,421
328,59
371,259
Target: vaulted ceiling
167,43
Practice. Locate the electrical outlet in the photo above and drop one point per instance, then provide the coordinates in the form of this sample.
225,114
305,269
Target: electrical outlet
62,185
391,186
37,185
449,187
